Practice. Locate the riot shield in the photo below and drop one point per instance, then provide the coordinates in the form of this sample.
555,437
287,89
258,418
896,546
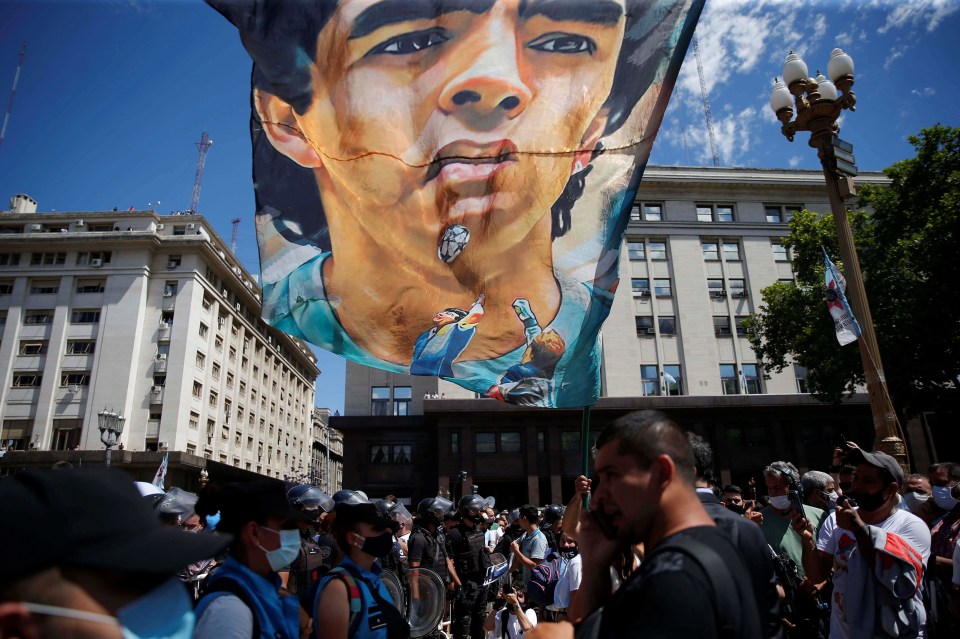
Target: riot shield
426,609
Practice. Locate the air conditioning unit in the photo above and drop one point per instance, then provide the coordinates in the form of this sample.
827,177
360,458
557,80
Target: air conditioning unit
651,331
168,293
156,390
162,357
741,294
719,332
236,270
73,388
191,226
172,265
36,227
78,223
163,445
160,227
721,293
225,292
164,326
238,306
96,262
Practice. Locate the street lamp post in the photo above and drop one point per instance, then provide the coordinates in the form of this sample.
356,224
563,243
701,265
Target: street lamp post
819,102
111,427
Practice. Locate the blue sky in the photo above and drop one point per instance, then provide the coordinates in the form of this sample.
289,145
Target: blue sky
114,95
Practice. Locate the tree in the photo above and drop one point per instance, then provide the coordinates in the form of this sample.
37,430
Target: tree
909,251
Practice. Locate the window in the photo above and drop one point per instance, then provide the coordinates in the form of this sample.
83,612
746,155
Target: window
166,317
9,259
197,389
485,443
38,317
721,325
27,380
779,252
85,316
207,302
640,286
778,213
390,453
81,347
44,287
402,395
17,431
646,211
75,378
541,441
212,401
6,287
715,213
715,287
163,349
737,287
710,250
658,250
635,250
510,442
668,325
180,229
800,372
233,355
31,347
728,379
673,379
174,261
159,380
170,288
202,360
379,400
644,325
89,285
204,329
741,328
650,380
218,344
84,259
455,443
47,259
661,288
229,381
751,379
731,251
570,441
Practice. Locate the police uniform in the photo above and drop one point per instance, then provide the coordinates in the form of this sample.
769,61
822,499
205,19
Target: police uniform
465,545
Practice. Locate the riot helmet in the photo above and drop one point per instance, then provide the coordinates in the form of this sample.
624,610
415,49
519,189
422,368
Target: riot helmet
472,503
552,514
310,499
432,509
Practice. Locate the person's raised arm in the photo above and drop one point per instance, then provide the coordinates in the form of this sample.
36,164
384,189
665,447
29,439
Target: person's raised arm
571,515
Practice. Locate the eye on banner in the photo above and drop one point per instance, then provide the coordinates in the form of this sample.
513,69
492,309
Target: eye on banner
443,185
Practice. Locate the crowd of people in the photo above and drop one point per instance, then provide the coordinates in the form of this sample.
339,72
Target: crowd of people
651,546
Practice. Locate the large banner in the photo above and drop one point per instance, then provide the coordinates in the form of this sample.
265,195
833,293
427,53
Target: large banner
443,185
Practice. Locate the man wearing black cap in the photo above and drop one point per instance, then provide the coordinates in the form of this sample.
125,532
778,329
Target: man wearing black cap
86,556
878,552
243,597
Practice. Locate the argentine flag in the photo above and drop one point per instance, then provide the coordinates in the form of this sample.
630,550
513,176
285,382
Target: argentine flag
844,322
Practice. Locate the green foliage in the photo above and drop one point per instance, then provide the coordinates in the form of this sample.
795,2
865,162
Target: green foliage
909,251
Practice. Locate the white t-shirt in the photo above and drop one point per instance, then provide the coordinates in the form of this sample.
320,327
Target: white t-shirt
840,542
569,581
956,565
513,626
491,537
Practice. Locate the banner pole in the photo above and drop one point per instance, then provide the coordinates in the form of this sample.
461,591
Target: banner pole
585,450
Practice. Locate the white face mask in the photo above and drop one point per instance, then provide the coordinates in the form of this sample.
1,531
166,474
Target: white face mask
780,502
164,613
914,501
831,499
281,557
943,499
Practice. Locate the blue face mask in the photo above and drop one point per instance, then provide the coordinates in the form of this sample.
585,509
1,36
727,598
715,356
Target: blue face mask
166,612
281,557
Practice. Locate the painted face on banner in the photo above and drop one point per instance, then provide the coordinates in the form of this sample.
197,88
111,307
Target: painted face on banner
441,184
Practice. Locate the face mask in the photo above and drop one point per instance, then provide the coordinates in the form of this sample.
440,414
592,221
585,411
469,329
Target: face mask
286,553
379,546
943,499
869,502
831,500
494,526
914,501
569,553
780,502
164,613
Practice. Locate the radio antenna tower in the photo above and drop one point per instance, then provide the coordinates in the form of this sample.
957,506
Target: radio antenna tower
706,105
233,237
203,145
13,92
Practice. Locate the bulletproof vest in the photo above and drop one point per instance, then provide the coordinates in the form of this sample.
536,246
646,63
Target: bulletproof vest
312,561
435,559
468,554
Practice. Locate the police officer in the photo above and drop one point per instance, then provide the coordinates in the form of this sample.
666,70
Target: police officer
318,551
550,526
470,559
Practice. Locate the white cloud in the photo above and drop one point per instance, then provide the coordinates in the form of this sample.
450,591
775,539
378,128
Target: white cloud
795,161
925,92
895,54
927,14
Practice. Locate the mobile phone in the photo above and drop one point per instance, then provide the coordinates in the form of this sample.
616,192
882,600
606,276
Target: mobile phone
795,502
507,589
846,502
